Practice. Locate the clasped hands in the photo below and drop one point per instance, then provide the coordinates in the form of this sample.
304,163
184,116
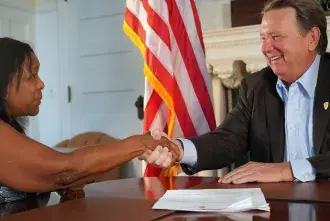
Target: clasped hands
167,153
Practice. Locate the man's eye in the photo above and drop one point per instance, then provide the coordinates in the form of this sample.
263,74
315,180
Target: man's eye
275,37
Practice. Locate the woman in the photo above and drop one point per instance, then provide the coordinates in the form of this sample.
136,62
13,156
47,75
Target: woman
28,166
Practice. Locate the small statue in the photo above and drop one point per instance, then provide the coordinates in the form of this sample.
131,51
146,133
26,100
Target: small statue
239,72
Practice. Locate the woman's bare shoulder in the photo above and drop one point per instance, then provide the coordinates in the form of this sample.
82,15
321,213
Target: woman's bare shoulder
7,130
9,136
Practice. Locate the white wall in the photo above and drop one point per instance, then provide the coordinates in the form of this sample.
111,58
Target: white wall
214,14
47,50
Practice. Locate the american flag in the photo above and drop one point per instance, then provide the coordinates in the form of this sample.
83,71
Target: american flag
178,92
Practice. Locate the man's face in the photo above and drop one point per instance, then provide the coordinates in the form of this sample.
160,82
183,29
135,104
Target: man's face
25,101
286,50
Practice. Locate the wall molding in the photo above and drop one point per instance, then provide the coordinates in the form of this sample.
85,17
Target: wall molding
45,7
232,31
30,5
225,44
24,7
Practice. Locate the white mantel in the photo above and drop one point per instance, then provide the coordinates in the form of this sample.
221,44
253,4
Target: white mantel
241,43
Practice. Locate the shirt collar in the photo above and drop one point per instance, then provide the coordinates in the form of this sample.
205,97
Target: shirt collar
308,80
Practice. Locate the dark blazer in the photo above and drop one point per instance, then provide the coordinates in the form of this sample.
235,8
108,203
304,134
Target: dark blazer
256,124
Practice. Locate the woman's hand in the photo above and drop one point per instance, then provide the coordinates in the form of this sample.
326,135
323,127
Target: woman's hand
151,143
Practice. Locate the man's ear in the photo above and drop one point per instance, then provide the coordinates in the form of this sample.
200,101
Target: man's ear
314,38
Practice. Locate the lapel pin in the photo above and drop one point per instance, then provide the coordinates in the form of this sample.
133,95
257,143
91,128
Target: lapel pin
326,105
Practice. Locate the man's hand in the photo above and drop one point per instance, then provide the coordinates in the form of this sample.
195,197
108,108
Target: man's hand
152,142
259,172
162,156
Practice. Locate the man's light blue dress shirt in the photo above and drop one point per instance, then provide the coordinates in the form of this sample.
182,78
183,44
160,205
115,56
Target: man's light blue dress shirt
298,100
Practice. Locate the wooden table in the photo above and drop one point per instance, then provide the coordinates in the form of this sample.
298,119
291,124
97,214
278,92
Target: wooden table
286,191
132,199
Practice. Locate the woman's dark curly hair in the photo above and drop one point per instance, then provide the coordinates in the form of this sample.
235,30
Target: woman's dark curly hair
13,54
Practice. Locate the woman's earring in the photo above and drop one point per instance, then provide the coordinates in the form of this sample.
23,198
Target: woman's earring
6,96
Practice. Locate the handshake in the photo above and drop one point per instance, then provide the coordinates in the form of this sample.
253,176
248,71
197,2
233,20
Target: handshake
160,150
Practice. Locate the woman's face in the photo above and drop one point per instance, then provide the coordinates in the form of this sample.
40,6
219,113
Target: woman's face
24,100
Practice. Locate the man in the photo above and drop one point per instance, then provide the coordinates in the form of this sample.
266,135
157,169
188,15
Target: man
282,116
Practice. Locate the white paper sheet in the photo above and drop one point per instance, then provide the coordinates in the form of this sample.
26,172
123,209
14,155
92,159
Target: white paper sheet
213,200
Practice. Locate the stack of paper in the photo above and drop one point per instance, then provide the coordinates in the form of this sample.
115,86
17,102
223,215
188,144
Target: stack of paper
213,200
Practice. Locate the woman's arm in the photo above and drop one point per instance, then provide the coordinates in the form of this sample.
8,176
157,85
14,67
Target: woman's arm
29,166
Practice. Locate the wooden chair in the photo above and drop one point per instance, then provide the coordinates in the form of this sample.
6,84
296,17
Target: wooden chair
90,139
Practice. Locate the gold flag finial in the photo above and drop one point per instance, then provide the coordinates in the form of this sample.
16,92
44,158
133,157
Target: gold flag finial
326,105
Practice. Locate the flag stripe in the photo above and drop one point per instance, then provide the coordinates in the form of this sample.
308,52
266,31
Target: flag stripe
148,90
160,7
190,62
153,81
192,36
185,86
152,78
180,110
134,29
157,24
153,42
160,72
198,25
187,17
159,122
151,108
182,113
